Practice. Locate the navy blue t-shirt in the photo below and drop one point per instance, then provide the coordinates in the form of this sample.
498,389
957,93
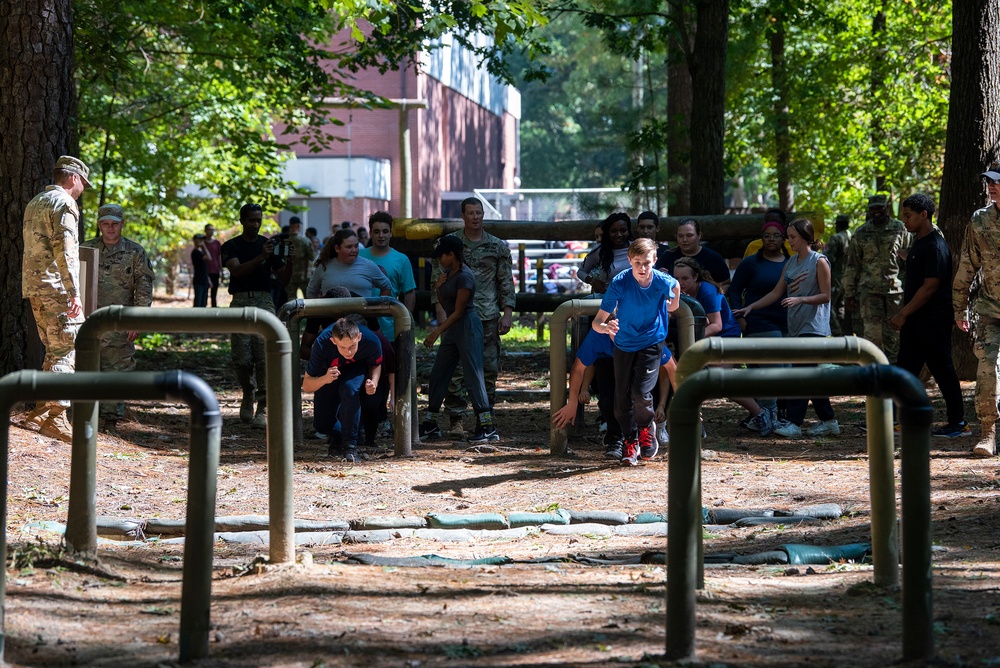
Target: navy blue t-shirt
713,302
325,355
598,346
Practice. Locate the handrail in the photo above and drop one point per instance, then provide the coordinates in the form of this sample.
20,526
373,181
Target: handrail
206,430
684,500
81,529
878,413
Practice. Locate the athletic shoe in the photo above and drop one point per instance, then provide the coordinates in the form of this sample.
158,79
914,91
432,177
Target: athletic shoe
429,430
484,433
749,422
335,444
384,429
762,423
613,450
351,453
953,430
825,428
789,430
630,453
260,419
56,426
661,433
648,447
602,426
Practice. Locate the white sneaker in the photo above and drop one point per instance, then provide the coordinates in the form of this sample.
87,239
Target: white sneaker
825,428
661,433
789,430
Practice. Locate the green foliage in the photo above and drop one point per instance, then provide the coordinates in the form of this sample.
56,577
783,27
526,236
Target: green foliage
188,109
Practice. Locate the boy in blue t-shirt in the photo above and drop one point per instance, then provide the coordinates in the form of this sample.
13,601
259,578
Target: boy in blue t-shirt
641,298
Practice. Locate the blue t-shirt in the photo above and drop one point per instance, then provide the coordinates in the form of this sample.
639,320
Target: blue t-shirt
713,302
325,355
397,269
642,312
754,278
598,346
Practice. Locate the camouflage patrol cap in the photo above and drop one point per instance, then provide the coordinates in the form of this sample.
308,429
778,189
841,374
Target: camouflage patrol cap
878,201
76,166
111,212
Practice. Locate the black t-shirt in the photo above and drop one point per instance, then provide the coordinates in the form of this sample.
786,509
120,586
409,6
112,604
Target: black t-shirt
258,280
200,267
707,258
929,257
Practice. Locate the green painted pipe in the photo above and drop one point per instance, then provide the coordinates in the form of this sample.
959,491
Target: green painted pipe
404,415
684,493
849,350
205,429
81,527
575,308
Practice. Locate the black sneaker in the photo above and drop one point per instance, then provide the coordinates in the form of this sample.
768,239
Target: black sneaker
648,446
953,430
351,454
613,450
429,430
630,453
484,433
336,444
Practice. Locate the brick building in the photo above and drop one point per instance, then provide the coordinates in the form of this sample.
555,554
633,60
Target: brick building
463,129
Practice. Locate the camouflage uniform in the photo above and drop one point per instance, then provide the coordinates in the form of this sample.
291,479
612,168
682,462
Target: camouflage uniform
50,278
981,252
872,279
301,261
490,261
125,278
836,253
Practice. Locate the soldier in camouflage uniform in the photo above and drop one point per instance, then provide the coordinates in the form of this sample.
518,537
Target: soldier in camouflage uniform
50,281
836,253
981,254
872,285
124,278
490,261
301,260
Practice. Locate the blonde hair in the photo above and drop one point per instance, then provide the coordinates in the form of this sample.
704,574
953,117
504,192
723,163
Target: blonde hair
641,247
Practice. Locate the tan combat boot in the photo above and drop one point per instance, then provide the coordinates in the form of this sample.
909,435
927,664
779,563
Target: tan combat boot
57,426
986,447
37,416
260,419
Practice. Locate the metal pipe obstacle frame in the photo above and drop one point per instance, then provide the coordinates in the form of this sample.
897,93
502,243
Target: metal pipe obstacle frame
206,430
684,501
404,413
575,308
878,417
81,528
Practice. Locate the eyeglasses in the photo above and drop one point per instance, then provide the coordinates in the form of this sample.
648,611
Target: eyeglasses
772,237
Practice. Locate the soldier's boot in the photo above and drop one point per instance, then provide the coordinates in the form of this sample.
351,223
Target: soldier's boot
246,407
57,426
111,427
986,447
260,419
37,415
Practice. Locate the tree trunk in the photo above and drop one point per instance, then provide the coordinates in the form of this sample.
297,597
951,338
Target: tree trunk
879,139
708,107
679,138
779,86
37,102
973,139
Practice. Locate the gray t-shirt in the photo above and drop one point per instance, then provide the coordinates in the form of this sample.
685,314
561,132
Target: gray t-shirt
359,277
801,281
448,291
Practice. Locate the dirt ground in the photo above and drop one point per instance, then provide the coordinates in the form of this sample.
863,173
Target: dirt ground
549,607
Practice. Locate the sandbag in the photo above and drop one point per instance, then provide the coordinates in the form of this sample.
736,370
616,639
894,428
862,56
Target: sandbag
649,529
821,511
473,521
576,529
559,516
649,518
609,517
761,521
444,535
826,554
389,522
730,515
